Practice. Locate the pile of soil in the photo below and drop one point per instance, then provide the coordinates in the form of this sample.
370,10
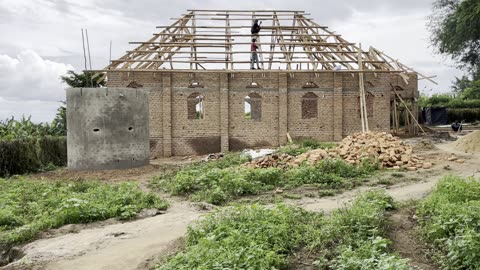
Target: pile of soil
469,143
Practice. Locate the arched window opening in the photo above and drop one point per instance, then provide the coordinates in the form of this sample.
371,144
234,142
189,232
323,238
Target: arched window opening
253,107
309,106
196,106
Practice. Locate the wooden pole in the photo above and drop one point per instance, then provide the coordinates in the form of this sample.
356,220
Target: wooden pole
361,83
406,107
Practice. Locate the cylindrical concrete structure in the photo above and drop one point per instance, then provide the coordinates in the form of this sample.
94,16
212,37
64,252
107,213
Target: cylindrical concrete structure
108,128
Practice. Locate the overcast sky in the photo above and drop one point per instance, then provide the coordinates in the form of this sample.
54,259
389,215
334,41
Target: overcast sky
41,39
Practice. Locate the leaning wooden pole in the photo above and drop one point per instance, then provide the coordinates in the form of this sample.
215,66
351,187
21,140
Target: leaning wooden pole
408,110
361,84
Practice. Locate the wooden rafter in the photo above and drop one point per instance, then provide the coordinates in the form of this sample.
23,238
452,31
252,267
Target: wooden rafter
219,40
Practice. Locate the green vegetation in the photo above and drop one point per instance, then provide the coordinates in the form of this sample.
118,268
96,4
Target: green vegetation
30,206
449,219
84,79
459,107
255,237
19,156
222,180
298,148
455,32
455,28
28,147
25,128
449,101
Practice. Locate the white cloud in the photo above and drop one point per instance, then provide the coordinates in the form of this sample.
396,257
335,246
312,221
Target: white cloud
44,38
30,85
30,77
40,111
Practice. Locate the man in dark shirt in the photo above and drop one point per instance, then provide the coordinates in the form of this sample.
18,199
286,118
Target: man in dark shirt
456,126
254,56
255,28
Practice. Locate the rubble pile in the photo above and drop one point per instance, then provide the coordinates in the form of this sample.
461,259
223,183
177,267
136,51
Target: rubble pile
313,156
271,160
390,152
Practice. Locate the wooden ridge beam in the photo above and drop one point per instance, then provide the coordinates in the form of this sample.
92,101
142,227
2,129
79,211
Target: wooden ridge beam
314,43
239,61
246,70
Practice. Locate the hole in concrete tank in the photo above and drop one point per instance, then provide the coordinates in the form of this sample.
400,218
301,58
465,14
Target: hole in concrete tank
96,130
130,128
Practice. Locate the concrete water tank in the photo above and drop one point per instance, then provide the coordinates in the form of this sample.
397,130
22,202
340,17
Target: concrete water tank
107,128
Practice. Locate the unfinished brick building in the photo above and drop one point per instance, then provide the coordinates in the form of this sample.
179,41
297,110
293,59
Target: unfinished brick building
204,98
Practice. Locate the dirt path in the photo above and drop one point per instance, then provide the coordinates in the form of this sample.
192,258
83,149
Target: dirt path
119,246
408,190
405,242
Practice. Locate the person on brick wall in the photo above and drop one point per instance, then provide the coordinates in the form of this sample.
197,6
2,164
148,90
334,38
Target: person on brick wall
256,28
254,55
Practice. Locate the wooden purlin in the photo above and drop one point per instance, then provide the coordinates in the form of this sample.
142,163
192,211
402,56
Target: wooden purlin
282,43
308,50
295,40
228,38
319,55
131,55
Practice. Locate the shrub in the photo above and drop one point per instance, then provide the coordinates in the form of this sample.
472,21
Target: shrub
450,222
298,148
19,156
30,206
216,183
255,237
53,150
242,237
468,115
329,173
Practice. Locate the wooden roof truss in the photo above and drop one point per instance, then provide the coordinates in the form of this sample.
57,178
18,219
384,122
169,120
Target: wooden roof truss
220,40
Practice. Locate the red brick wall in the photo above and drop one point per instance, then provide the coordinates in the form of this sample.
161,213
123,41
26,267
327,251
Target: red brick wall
225,127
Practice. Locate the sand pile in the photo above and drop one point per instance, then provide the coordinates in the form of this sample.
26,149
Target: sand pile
469,143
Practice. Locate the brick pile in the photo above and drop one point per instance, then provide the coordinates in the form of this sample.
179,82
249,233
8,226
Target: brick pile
272,160
390,152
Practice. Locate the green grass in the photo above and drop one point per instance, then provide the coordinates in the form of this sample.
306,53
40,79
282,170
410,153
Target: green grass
29,206
449,219
221,181
300,147
256,237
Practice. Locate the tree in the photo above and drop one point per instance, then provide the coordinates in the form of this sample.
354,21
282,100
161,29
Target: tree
472,91
455,31
59,123
85,79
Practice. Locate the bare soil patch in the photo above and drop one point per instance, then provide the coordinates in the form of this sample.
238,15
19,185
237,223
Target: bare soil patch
406,242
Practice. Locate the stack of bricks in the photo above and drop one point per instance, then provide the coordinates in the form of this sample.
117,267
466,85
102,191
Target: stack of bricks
272,160
388,150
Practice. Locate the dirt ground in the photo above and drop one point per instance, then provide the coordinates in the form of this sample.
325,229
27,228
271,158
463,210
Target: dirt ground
156,167
405,240
133,245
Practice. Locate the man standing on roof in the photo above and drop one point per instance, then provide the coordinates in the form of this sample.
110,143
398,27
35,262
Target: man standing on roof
254,55
255,28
